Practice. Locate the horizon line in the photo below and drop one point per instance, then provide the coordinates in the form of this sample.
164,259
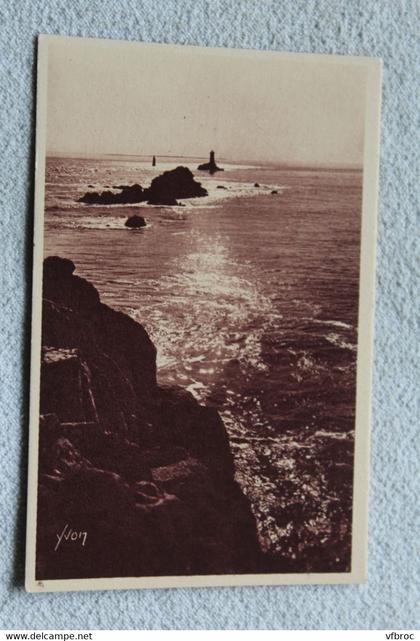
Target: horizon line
283,164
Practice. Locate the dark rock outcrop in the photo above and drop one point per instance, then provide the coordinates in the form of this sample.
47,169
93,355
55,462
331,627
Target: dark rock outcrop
177,183
129,195
135,222
163,190
210,166
141,474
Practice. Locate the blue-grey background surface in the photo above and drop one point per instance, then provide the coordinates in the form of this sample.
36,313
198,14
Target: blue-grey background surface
383,28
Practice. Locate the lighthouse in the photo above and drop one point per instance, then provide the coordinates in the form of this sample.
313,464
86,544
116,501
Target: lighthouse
210,166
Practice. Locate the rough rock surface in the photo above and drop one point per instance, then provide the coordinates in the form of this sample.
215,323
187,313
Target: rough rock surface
138,477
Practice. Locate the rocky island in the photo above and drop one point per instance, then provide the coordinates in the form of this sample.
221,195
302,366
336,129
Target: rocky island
135,479
163,190
135,222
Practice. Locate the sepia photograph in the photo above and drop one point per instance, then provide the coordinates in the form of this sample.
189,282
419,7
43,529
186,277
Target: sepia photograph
202,316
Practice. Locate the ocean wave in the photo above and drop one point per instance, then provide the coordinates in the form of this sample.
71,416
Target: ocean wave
335,323
339,341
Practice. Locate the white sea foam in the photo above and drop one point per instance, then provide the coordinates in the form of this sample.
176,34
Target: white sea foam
338,341
231,190
335,323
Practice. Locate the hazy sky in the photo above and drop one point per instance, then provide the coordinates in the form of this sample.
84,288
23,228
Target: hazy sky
125,98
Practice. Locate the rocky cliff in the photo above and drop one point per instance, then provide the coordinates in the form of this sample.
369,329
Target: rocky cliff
135,479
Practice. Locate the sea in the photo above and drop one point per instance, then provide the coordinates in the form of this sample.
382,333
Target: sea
251,298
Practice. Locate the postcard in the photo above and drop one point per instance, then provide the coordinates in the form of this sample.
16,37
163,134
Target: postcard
202,316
